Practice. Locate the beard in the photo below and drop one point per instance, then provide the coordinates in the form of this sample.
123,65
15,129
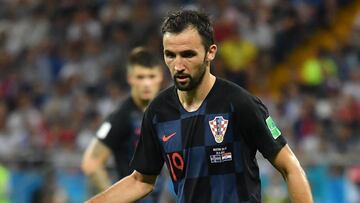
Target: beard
193,82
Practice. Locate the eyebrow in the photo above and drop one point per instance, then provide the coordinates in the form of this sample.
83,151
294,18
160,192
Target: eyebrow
188,52
168,52
185,52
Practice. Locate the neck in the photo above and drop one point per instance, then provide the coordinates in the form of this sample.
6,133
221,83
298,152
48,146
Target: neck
141,104
192,100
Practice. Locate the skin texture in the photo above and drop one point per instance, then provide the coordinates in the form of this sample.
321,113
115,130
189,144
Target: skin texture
145,84
128,189
186,58
288,165
93,164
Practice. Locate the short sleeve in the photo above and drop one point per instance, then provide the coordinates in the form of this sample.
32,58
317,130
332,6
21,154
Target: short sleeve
148,157
113,131
261,130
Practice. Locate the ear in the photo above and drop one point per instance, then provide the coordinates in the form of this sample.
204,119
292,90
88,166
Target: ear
211,53
129,78
161,74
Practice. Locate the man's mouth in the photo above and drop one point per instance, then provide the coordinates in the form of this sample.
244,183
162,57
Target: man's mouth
182,78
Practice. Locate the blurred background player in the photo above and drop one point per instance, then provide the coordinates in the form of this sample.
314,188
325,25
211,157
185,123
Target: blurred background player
119,133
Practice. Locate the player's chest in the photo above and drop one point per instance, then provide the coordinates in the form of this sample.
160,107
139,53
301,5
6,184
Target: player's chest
196,131
201,145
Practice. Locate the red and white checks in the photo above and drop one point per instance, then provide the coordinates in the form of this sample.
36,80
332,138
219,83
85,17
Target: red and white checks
218,128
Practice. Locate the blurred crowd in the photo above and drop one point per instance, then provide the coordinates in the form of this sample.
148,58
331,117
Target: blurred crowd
63,69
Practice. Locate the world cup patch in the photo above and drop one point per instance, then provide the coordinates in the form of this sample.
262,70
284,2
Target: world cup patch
275,132
218,128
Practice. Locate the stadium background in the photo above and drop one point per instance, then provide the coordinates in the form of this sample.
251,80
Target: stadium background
62,69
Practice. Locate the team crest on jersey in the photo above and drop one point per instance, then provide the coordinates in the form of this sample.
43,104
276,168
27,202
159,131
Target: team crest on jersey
218,128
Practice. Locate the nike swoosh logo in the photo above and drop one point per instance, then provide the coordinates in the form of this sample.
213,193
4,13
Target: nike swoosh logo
166,138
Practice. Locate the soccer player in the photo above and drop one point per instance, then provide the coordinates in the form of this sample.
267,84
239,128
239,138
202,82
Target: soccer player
206,129
119,134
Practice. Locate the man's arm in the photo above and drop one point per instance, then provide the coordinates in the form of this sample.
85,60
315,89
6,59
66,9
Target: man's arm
129,189
288,165
93,164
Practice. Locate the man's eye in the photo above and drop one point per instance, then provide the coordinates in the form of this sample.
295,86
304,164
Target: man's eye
170,55
188,54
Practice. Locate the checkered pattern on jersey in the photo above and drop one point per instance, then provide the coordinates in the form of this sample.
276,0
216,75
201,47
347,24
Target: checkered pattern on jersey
198,162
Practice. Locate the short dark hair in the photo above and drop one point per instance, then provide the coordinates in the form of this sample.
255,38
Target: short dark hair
144,57
179,20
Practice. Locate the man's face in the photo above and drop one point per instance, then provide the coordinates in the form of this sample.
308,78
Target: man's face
185,56
145,82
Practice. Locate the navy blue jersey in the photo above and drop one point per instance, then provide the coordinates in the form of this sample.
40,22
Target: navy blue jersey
210,153
120,133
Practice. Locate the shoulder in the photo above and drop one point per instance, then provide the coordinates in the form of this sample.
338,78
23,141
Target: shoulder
240,98
163,107
163,99
226,84
234,92
123,110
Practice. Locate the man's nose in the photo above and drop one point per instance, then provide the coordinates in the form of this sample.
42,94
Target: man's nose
147,82
179,65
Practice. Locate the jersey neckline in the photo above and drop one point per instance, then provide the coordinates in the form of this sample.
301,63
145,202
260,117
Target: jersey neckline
203,103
